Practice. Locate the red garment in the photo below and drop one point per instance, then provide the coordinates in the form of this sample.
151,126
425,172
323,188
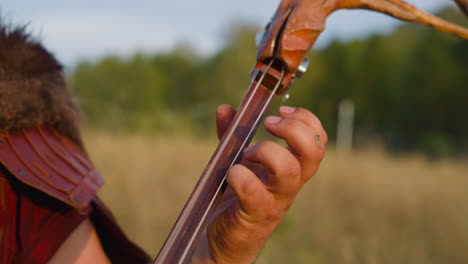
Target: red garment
32,225
47,188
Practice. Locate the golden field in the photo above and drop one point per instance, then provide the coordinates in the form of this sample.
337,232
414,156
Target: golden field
367,207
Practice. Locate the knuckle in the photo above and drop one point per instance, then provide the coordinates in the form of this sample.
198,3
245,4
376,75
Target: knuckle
236,170
274,213
325,137
246,187
266,147
249,187
294,125
315,151
315,119
316,155
301,111
307,114
321,153
293,168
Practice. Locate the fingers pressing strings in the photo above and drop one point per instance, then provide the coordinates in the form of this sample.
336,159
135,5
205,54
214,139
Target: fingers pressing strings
309,119
300,128
284,169
224,116
251,192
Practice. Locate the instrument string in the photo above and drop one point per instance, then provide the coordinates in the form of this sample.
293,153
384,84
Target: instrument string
231,132
226,140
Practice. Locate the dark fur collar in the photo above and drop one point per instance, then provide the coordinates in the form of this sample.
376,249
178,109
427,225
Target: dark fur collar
32,87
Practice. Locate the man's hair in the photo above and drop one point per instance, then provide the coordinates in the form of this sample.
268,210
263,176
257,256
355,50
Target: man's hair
32,86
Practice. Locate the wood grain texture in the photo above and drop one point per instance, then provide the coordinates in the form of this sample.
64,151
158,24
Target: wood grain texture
297,24
192,222
293,30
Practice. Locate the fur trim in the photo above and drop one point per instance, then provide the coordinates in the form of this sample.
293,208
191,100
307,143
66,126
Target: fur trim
32,87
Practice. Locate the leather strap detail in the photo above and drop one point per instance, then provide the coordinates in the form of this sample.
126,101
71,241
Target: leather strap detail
51,163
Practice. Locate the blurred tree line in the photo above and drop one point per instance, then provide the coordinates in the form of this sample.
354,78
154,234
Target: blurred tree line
409,87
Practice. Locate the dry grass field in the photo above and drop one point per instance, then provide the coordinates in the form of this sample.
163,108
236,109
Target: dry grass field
366,207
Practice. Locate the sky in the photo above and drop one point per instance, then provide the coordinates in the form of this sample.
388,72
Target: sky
89,29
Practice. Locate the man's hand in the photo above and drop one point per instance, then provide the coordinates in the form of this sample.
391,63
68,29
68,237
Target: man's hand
263,186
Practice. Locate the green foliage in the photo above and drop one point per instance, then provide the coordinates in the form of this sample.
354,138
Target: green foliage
409,87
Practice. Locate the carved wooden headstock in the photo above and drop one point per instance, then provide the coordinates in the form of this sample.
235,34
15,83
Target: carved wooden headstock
297,24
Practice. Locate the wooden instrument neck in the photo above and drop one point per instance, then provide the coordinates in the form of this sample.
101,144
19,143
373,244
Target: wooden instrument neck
193,220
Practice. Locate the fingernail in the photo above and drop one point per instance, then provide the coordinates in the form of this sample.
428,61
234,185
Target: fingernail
271,120
222,108
248,149
286,110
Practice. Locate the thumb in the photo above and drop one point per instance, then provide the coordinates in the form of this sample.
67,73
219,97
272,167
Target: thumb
224,116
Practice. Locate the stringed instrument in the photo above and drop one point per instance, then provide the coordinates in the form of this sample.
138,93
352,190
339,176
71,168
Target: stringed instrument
282,48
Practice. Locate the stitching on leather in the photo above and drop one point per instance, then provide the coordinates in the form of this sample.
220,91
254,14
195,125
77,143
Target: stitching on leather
84,188
31,169
54,168
85,182
60,152
51,158
39,167
83,161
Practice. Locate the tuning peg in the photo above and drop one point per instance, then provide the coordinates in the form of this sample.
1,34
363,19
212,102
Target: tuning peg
300,71
302,68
